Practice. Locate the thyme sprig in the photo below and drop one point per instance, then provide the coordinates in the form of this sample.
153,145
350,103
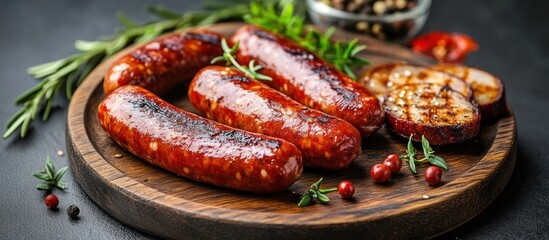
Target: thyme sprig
315,193
429,155
229,57
50,178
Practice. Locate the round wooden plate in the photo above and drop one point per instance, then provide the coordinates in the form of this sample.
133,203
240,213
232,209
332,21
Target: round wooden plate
160,203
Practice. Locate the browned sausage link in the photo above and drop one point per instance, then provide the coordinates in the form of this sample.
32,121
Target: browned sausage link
228,96
197,148
308,79
161,64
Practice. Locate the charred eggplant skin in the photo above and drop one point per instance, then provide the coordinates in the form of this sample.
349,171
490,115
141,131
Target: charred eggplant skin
383,78
492,107
442,115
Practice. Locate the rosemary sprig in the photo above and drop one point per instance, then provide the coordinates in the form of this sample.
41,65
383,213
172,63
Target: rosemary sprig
229,57
315,193
69,72
429,155
72,70
50,178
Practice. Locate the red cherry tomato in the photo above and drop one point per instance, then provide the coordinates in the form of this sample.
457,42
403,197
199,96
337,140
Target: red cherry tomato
51,201
346,189
380,173
433,175
393,162
445,47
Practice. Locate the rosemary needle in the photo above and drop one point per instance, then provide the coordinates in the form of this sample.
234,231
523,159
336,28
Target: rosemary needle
72,70
285,17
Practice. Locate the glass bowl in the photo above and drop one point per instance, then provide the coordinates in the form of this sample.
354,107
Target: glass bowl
398,27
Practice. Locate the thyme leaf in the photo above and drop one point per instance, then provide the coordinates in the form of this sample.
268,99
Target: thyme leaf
428,152
315,192
50,178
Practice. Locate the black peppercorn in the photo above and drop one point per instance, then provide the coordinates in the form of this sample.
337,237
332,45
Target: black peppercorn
73,211
372,7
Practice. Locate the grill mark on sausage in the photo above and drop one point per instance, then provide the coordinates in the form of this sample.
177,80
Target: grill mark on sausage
174,46
181,123
264,35
238,136
141,56
299,53
202,37
323,119
304,116
235,78
173,119
328,74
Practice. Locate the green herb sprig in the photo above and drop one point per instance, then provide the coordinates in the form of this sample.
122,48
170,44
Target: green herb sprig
283,19
315,193
67,73
229,57
429,155
71,71
50,178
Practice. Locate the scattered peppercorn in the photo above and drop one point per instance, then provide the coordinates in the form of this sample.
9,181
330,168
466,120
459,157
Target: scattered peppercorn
51,201
373,7
379,8
73,211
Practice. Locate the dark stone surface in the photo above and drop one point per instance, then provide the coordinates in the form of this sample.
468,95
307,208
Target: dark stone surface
514,44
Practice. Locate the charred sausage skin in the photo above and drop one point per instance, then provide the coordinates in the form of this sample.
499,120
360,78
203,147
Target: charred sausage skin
229,97
197,148
163,63
308,79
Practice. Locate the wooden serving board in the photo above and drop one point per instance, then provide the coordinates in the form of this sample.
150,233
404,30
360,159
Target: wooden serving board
160,203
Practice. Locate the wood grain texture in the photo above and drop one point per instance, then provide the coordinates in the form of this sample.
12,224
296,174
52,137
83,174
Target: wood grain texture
162,204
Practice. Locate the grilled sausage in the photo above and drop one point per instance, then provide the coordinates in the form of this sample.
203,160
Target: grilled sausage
308,79
197,148
383,78
163,63
439,113
229,97
488,90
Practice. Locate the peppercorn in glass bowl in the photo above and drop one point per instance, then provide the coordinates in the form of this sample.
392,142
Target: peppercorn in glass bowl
393,20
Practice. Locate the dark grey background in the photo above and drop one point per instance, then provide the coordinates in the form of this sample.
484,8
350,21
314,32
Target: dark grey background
514,44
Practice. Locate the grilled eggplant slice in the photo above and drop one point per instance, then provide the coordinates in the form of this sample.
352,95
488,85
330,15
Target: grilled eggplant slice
381,79
442,115
488,90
